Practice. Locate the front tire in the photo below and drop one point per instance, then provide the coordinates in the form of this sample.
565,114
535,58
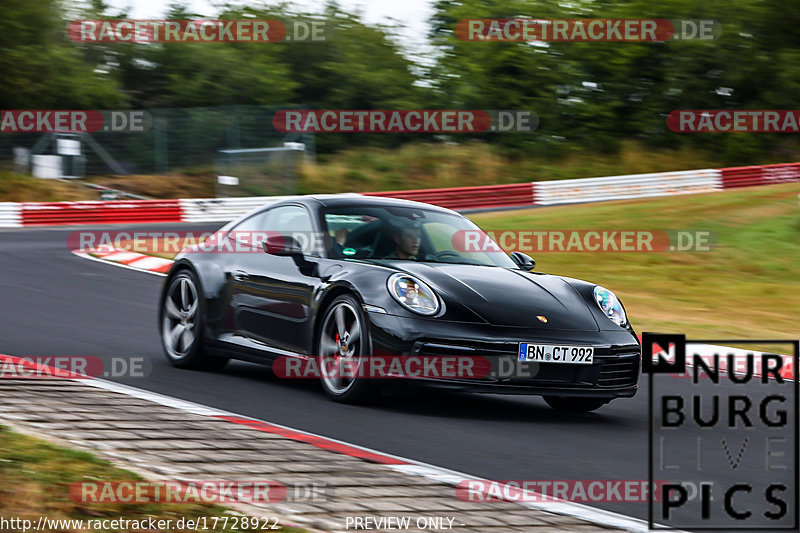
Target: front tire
182,321
575,404
344,343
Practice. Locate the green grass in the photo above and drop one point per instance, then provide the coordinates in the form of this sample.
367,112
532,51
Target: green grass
19,188
35,477
747,287
432,165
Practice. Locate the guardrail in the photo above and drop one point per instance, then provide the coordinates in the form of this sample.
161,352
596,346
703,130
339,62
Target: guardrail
469,197
98,212
627,187
760,175
458,198
222,209
10,214
226,209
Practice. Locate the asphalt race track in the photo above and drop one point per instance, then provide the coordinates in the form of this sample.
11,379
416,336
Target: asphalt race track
55,303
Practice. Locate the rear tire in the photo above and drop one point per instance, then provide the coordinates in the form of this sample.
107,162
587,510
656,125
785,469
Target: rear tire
575,404
343,338
181,324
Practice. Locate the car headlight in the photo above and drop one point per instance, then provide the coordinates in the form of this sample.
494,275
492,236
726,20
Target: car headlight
610,305
413,294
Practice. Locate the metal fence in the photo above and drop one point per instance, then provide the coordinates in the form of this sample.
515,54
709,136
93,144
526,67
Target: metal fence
179,140
259,171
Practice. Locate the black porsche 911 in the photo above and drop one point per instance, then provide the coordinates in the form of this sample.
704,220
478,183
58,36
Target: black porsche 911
347,278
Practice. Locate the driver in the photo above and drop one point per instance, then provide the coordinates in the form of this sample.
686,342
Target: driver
407,237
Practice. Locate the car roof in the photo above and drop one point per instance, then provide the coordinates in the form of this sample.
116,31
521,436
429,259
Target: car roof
352,200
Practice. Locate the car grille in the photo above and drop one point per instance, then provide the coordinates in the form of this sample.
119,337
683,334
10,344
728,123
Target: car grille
619,372
434,349
614,367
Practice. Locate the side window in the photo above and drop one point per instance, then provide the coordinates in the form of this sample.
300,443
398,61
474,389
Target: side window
252,223
288,219
293,221
346,237
249,230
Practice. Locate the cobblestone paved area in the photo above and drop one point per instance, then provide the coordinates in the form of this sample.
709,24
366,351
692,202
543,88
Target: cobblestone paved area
166,443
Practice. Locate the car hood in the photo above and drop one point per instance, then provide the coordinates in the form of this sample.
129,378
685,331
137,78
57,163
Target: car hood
507,297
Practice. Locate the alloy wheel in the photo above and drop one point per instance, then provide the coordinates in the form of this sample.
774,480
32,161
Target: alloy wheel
340,348
180,314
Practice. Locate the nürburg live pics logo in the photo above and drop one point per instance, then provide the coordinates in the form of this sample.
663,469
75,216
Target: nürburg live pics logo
723,443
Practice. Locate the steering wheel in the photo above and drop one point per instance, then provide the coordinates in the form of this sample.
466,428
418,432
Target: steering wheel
447,253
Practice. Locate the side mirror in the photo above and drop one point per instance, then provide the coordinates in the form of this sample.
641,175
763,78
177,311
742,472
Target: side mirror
282,245
523,261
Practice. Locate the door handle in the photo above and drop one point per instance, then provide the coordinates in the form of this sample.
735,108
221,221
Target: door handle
240,275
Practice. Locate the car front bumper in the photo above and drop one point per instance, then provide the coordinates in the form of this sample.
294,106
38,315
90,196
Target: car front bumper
614,372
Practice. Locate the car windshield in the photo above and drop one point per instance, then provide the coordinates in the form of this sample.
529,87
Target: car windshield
410,234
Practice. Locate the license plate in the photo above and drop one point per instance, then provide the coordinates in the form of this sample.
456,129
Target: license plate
556,353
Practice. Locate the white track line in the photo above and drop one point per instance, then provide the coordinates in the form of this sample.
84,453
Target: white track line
413,467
